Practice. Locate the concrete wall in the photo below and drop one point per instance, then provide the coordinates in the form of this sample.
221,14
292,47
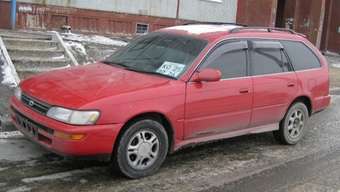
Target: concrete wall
115,16
208,10
160,8
201,10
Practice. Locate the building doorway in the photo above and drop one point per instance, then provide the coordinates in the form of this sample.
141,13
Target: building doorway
285,13
303,16
280,21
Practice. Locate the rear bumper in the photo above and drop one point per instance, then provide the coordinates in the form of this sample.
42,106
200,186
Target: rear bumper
98,140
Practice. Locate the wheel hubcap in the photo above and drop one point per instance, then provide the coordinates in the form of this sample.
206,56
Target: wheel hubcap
142,150
295,124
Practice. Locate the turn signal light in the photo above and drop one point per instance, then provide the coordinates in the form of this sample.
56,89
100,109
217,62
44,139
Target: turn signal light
67,136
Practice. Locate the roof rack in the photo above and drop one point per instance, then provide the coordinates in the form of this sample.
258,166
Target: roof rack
268,29
214,23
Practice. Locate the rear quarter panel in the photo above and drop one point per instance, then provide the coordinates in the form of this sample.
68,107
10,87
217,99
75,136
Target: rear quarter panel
314,83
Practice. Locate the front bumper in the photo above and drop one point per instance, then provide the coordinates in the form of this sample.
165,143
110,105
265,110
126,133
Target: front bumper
98,139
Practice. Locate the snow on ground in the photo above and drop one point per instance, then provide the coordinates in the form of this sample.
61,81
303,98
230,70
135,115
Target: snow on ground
58,57
336,65
55,176
79,51
92,39
6,72
90,48
10,134
77,47
20,189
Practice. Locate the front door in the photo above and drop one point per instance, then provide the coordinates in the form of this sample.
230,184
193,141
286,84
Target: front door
225,105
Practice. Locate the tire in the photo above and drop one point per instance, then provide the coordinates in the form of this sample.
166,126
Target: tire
142,149
293,125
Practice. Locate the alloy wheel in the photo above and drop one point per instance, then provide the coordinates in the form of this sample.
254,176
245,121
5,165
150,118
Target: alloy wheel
142,150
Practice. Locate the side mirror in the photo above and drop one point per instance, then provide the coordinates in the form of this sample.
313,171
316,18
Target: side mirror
208,75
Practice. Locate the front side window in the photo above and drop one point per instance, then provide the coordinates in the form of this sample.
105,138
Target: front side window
159,53
268,58
300,55
230,58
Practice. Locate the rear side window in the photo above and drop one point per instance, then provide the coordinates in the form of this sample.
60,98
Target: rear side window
300,55
267,57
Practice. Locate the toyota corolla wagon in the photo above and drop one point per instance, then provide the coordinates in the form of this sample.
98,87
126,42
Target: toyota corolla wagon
176,87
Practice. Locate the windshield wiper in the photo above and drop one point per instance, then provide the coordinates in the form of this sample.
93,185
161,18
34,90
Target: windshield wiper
122,64
152,72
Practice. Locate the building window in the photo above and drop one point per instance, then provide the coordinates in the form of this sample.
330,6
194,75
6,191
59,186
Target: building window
142,28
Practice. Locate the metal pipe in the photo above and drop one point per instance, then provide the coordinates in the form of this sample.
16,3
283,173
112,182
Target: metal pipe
177,10
13,13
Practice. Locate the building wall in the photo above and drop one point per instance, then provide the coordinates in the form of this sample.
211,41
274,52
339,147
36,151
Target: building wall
200,10
116,16
208,10
306,15
333,29
37,16
159,8
256,12
5,9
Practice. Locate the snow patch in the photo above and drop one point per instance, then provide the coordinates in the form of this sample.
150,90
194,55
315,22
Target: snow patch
92,39
336,65
200,29
8,78
55,176
10,134
78,47
20,189
330,53
58,57
2,169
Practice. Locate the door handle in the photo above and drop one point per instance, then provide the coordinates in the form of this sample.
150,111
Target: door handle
244,91
291,84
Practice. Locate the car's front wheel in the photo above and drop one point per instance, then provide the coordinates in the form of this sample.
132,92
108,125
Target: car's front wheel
292,127
142,148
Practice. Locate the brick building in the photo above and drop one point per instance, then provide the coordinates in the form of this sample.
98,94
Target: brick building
318,19
115,16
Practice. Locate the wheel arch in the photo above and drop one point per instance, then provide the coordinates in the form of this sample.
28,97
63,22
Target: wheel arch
157,116
305,100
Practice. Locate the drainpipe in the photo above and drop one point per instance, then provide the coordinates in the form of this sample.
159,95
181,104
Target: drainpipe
177,11
13,13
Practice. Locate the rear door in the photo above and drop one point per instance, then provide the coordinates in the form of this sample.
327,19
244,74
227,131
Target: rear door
225,105
275,82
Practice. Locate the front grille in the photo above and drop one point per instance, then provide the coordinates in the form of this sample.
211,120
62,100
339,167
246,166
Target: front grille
35,104
29,125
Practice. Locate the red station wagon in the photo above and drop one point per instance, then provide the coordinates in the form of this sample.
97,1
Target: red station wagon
178,86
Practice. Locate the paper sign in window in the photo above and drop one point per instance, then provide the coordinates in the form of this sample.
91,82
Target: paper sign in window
170,68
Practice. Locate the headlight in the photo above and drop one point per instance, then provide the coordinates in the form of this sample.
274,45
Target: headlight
17,93
72,116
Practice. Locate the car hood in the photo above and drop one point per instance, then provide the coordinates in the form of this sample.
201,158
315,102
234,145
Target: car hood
77,86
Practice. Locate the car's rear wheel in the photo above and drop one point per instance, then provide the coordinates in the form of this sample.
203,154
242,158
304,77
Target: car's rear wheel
142,148
292,127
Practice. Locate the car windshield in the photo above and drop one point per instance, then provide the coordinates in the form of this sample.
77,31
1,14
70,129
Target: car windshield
158,53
